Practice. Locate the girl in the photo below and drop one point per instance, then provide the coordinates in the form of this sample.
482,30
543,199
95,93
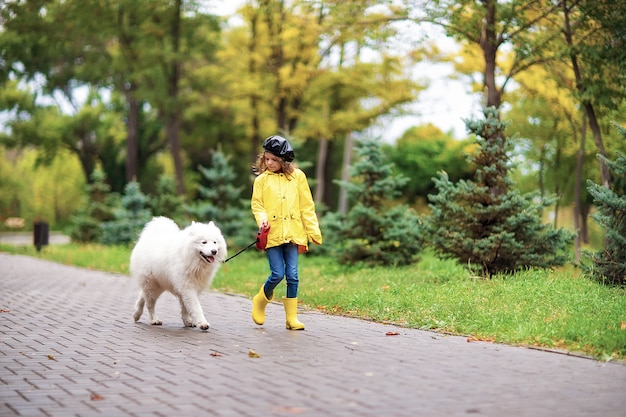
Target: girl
282,201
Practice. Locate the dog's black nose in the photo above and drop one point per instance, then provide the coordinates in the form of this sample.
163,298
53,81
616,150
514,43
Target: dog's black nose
214,251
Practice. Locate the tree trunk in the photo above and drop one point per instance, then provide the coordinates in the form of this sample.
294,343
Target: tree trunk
320,169
589,110
489,46
345,174
255,136
172,111
580,159
132,140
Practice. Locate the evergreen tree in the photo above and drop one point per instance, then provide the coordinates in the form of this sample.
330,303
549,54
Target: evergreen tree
86,225
166,201
485,224
374,231
220,201
129,218
609,265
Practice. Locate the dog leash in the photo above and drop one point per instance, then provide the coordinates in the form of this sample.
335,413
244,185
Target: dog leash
260,242
243,250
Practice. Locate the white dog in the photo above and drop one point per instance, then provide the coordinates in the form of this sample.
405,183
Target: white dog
183,262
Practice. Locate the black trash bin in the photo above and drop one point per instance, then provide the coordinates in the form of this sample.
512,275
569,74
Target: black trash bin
42,234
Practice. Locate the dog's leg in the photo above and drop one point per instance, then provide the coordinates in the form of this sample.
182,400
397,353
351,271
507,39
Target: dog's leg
187,321
192,304
139,304
151,298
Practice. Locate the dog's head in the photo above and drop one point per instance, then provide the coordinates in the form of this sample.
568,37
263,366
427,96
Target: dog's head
208,241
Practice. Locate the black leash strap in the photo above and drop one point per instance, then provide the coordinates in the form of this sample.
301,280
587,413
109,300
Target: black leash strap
243,250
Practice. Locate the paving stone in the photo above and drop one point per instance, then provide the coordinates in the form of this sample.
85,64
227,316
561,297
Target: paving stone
69,347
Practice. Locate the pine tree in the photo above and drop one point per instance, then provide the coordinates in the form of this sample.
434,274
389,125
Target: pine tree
86,225
484,223
166,201
128,219
374,232
220,201
609,265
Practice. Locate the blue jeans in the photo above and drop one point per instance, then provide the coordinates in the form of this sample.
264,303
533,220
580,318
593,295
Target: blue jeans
283,261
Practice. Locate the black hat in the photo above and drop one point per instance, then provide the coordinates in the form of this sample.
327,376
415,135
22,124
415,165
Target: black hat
279,146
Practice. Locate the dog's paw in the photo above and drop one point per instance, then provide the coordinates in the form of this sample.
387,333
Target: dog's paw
188,323
204,326
156,322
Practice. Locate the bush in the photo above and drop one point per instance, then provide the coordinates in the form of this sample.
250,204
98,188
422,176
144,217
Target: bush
86,225
129,219
374,232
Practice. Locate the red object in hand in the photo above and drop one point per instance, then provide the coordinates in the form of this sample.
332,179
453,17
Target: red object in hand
261,237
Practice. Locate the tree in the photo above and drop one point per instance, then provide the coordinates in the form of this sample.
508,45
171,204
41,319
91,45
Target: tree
425,150
219,200
98,208
487,27
608,266
492,232
299,72
129,217
375,231
166,201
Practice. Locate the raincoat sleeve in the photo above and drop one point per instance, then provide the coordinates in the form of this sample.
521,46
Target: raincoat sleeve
307,211
258,208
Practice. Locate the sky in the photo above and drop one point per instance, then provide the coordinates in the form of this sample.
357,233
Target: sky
445,103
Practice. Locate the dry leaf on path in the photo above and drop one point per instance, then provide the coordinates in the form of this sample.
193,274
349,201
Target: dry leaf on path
392,333
96,397
52,358
253,354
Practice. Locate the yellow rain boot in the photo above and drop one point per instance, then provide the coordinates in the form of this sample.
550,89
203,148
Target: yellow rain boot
291,312
259,302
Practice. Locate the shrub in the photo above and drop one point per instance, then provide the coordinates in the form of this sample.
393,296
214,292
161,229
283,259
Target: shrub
374,231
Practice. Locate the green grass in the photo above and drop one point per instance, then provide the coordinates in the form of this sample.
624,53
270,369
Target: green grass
550,309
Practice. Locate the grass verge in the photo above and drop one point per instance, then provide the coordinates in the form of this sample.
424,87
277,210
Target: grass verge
548,309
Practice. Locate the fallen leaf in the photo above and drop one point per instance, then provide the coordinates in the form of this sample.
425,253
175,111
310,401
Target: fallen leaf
4,311
253,354
480,339
96,397
392,333
216,354
623,326
52,358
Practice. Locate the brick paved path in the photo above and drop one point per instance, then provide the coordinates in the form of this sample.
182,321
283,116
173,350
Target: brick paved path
69,347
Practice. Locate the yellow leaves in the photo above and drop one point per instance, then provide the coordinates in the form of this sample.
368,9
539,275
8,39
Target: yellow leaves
253,354
480,339
622,326
52,358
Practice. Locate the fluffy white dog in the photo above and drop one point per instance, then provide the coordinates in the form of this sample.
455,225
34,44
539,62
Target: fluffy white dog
183,262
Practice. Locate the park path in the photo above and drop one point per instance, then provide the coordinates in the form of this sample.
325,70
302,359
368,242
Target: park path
69,347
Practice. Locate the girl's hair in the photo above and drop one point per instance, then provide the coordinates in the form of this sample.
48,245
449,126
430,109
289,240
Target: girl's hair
286,167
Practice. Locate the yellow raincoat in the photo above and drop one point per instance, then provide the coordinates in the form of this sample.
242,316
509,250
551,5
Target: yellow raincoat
287,204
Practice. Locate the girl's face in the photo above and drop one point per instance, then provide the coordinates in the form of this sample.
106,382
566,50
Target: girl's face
272,162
